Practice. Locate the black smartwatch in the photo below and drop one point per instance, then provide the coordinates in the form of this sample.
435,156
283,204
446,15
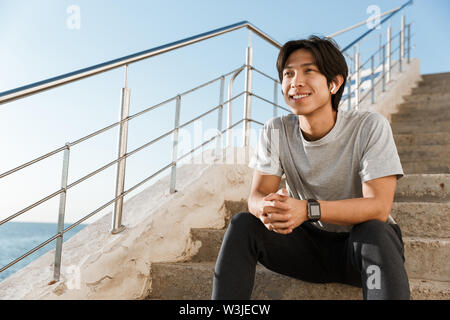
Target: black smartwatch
313,210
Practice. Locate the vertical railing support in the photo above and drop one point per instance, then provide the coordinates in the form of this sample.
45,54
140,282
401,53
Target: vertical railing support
384,68
372,79
349,82
61,214
358,79
275,99
248,89
402,36
409,42
400,58
388,74
219,118
123,139
173,173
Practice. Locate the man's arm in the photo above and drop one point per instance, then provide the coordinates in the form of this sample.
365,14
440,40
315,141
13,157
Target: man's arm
262,185
376,204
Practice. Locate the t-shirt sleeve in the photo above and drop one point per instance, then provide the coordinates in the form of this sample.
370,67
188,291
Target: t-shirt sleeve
379,153
266,157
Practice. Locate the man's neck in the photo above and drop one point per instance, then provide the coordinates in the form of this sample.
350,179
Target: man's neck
315,126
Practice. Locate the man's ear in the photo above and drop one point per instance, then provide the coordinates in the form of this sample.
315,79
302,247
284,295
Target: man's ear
337,81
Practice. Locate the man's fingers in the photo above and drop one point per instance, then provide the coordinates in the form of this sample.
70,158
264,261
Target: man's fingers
275,217
277,204
276,196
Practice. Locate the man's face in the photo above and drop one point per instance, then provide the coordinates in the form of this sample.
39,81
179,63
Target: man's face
304,88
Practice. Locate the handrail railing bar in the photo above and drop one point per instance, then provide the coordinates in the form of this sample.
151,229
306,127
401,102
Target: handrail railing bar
208,141
209,111
262,73
29,252
91,135
371,30
379,78
274,104
99,170
40,86
260,123
131,189
15,215
359,24
32,162
211,81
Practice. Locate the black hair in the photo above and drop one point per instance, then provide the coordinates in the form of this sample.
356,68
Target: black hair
328,58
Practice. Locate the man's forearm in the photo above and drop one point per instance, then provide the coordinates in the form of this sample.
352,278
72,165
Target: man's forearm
254,203
352,211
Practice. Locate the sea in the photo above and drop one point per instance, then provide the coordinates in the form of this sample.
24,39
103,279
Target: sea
17,238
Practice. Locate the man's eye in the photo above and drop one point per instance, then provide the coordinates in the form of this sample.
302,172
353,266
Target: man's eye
309,69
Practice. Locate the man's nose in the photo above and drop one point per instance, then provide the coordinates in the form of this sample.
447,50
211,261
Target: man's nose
297,81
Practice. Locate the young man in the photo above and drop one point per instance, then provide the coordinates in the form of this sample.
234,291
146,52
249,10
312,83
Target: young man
332,223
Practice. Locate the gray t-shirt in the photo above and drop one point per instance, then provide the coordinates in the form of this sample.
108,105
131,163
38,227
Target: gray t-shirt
360,147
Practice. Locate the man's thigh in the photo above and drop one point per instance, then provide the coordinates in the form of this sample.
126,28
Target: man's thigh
303,254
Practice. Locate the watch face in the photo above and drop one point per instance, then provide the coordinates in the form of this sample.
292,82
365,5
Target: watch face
315,211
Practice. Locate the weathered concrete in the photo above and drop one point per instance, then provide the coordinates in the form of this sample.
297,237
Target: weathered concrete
431,138
158,227
268,285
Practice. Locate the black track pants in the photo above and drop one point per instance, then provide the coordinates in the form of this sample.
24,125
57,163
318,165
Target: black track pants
370,256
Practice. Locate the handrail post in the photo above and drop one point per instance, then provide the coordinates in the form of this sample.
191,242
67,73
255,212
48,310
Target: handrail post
62,211
402,35
275,99
173,173
248,88
123,138
230,106
384,68
372,79
219,118
358,79
400,56
349,95
409,42
388,75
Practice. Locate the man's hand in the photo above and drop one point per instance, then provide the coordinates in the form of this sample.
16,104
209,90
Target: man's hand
281,213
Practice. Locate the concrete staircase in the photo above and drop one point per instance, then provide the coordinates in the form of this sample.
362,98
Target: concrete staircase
421,207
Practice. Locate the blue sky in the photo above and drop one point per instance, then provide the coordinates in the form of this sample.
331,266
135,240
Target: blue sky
36,43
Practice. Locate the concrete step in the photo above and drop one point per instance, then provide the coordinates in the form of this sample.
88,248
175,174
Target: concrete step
429,167
442,83
174,281
435,88
436,76
423,188
441,97
421,115
430,126
410,139
423,152
427,258
421,219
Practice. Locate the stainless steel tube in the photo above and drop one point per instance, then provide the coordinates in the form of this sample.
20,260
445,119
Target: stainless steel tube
62,210
173,173
120,178
247,99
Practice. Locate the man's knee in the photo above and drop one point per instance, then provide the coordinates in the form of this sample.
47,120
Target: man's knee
243,220
375,232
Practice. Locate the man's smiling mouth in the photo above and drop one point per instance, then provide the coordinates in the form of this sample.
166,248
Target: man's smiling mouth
299,97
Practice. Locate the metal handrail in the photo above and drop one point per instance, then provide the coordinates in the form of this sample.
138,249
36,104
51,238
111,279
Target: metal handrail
357,40
125,61
54,82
